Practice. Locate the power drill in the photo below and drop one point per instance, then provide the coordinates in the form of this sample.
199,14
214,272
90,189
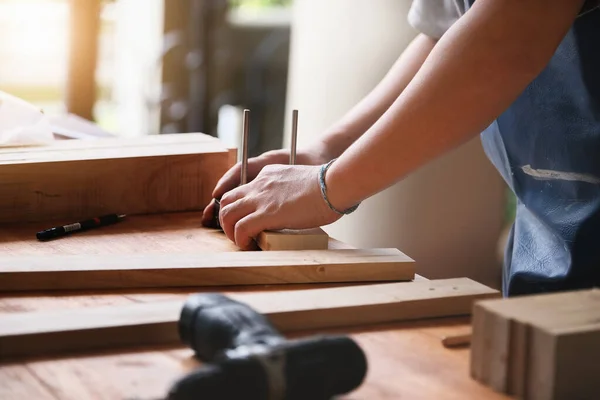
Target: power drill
245,357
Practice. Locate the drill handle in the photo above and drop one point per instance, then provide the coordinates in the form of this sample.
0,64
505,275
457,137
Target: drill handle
315,368
213,324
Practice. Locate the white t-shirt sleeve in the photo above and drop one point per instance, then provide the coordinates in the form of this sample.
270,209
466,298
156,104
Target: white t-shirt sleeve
434,17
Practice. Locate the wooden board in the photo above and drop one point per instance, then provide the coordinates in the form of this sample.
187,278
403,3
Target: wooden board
71,180
409,350
290,239
530,346
149,234
22,273
47,152
37,333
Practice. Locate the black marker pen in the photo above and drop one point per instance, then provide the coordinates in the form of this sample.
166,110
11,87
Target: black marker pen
61,231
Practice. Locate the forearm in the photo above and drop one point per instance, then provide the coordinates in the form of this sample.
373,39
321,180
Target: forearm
362,116
471,76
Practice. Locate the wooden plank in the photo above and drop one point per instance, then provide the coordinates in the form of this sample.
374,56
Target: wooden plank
518,358
37,333
499,352
72,183
477,358
202,269
406,349
291,239
576,365
168,143
208,269
528,333
563,358
179,232
540,382
406,364
493,364
141,234
19,382
149,234
139,376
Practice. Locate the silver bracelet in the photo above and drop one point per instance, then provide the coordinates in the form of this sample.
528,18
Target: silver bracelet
323,186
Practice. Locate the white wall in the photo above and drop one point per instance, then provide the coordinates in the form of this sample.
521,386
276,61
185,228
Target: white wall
447,215
137,45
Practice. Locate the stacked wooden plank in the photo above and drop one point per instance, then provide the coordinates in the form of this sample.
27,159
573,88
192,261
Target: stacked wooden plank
150,178
72,180
539,347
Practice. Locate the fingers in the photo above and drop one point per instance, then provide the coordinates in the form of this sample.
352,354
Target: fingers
246,229
231,178
208,214
231,214
228,181
232,196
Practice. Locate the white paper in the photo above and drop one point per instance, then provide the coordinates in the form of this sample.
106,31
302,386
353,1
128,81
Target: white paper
21,123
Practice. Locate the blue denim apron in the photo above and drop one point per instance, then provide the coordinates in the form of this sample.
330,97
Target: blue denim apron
547,148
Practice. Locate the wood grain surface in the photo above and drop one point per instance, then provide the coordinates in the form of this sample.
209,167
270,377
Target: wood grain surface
540,346
55,332
406,360
20,273
179,232
74,180
293,239
172,250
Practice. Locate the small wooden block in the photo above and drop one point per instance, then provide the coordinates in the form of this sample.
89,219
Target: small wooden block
539,346
290,239
457,340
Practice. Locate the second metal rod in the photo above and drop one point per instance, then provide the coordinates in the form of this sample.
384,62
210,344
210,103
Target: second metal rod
294,137
244,172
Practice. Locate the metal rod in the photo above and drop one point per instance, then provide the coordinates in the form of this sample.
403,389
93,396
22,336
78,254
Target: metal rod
294,137
244,173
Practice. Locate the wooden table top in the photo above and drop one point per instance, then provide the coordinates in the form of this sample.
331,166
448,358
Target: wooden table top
406,360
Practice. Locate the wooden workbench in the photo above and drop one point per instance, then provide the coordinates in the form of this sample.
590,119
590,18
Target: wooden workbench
406,360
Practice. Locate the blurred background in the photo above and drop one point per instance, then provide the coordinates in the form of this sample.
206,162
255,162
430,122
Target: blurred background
146,67
138,67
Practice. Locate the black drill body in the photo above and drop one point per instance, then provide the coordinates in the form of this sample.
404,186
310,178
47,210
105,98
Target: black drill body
249,359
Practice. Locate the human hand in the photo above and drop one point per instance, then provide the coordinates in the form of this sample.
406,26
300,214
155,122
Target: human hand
281,196
231,178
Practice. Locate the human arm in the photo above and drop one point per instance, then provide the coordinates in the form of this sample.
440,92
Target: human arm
345,131
471,76
363,115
